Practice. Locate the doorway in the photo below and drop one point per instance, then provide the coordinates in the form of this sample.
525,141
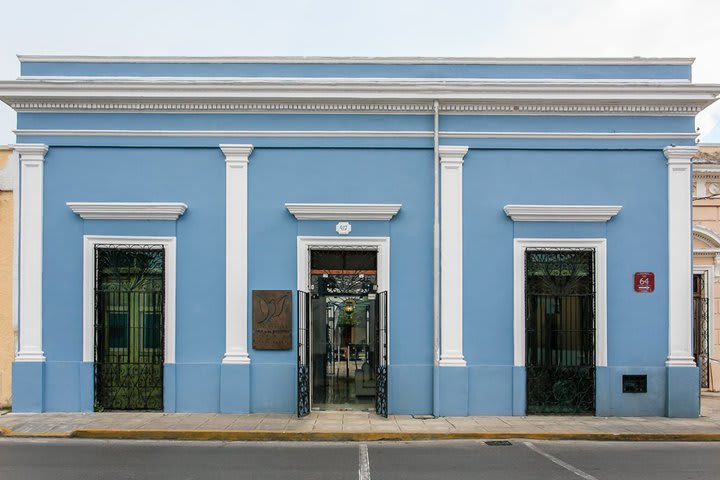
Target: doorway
129,326
560,332
701,328
344,329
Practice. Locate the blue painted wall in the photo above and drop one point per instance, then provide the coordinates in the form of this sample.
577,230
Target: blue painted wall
636,241
354,70
631,173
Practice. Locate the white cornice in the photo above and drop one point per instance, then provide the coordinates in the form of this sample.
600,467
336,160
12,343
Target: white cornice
358,95
128,210
561,213
343,211
363,60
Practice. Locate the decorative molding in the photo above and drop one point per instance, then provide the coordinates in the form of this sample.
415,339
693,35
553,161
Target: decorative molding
305,244
343,211
712,240
451,255
356,134
706,235
30,263
589,109
561,213
680,308
128,210
359,95
89,243
362,60
237,158
600,247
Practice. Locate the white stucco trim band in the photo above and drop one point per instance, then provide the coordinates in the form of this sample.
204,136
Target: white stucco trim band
237,158
561,213
599,245
361,60
451,256
128,210
343,211
89,244
680,308
30,319
358,134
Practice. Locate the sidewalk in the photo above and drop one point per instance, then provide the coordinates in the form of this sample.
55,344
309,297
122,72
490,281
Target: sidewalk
359,426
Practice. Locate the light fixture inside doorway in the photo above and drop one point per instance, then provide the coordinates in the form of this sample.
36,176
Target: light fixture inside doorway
349,306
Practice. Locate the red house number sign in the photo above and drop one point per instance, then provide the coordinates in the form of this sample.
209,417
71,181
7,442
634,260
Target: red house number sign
644,282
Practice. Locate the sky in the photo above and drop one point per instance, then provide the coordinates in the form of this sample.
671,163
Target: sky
479,28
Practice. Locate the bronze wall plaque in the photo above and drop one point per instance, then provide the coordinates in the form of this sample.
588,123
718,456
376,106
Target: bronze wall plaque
272,319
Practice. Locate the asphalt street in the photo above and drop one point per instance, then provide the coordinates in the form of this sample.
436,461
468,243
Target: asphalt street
60,459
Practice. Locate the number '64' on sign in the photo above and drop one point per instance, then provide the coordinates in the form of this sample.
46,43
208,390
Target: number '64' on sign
644,282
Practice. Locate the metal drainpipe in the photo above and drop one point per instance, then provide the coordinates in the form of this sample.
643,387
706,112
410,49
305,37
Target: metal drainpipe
436,255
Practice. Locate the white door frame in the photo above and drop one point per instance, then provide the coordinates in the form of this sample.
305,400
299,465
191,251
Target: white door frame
379,244
89,243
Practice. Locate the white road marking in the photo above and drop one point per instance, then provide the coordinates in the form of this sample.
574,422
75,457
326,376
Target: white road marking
557,461
364,470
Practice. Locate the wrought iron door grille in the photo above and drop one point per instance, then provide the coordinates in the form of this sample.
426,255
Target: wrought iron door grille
303,363
701,337
560,330
129,327
381,335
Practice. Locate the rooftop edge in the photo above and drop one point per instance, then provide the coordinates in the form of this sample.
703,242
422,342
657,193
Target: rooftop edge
362,60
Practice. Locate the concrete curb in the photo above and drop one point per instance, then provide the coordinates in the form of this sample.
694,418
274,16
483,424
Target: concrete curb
261,436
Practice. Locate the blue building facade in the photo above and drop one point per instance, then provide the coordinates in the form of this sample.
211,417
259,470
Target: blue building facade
497,213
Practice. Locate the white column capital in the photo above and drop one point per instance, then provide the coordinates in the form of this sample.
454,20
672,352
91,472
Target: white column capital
452,154
679,160
680,155
236,153
451,257
30,262
236,291
31,151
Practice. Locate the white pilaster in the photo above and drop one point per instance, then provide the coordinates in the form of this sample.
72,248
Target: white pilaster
32,159
679,160
451,256
236,182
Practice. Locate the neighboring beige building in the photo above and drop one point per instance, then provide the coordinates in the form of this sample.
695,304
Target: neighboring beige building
8,330
706,263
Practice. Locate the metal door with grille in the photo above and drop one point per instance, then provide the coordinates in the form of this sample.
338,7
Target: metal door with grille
560,330
303,362
701,330
129,327
381,335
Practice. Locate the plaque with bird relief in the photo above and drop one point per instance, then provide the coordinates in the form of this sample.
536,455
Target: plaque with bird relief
271,319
